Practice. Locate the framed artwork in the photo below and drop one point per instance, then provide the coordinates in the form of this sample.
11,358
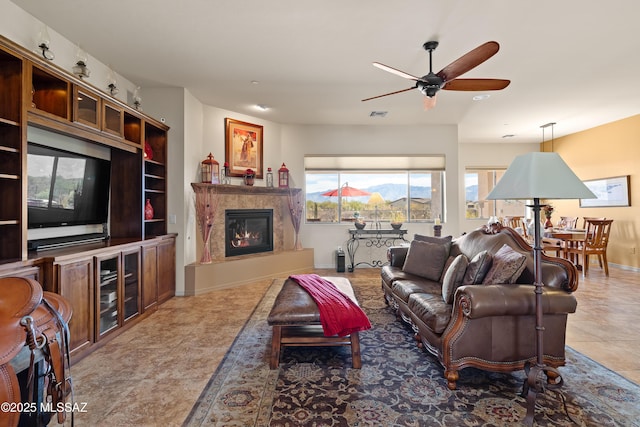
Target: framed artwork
610,191
243,148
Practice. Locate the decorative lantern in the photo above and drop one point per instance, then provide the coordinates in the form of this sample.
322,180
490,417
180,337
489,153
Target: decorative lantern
283,176
210,170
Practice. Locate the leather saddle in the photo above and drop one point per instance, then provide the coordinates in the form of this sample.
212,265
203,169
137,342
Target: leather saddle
32,317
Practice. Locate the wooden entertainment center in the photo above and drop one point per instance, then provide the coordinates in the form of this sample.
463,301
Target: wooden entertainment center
113,283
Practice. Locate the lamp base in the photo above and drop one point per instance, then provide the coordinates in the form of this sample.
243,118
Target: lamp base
539,377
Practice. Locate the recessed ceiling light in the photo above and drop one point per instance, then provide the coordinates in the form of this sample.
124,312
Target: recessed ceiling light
254,82
262,107
509,135
481,97
378,113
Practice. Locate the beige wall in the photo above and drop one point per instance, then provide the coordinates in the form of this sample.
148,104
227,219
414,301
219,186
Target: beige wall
606,151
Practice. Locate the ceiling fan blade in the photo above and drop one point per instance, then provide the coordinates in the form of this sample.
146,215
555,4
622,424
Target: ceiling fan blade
387,94
476,84
429,102
396,72
469,61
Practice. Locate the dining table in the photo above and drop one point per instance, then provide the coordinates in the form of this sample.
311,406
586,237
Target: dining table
571,238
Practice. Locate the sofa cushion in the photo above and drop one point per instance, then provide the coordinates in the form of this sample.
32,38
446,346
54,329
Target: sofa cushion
506,267
433,239
402,289
453,277
426,259
478,268
431,310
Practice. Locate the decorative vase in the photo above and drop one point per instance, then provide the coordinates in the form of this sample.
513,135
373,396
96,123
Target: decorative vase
548,224
396,225
249,179
148,210
359,225
148,152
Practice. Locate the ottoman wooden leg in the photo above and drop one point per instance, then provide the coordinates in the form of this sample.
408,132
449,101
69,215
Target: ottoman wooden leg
275,347
355,351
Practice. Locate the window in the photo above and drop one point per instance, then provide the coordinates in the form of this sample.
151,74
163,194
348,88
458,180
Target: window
478,183
339,190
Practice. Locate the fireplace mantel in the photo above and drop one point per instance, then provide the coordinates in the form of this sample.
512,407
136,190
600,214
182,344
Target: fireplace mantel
245,189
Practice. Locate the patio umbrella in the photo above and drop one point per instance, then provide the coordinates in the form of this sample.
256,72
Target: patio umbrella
346,191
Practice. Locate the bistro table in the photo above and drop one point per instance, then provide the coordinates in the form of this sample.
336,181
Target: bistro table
382,238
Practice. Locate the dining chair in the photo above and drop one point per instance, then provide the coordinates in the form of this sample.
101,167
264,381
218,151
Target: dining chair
588,218
550,244
595,243
512,221
569,221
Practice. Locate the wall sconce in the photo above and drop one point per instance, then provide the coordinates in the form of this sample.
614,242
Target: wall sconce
80,69
283,176
111,78
43,44
137,99
210,170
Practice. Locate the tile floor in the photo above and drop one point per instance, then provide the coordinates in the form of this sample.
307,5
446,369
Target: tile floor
152,374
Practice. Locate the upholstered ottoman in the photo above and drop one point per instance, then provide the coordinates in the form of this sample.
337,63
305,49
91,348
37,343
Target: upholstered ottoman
295,319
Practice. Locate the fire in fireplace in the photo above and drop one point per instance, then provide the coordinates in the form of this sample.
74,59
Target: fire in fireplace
248,231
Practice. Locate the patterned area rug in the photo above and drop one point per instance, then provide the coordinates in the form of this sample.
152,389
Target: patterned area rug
398,385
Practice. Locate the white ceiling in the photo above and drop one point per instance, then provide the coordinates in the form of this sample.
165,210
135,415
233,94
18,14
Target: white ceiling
573,62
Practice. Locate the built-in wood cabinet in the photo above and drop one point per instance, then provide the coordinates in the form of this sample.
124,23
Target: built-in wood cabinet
73,279
87,107
37,93
111,284
12,131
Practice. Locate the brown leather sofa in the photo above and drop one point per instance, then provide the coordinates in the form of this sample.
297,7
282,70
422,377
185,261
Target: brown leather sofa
487,326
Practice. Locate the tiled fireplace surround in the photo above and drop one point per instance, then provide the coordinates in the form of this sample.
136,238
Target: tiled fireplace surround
234,271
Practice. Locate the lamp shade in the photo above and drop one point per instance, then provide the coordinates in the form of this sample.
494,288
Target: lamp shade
542,176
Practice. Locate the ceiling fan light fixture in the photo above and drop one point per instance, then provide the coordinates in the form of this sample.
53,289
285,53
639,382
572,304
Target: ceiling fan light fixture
481,97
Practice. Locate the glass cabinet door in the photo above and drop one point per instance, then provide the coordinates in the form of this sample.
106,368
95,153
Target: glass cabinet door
108,293
131,284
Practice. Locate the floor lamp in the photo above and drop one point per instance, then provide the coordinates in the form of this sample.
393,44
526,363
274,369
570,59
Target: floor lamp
535,176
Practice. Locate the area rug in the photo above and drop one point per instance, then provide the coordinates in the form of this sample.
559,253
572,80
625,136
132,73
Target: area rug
398,385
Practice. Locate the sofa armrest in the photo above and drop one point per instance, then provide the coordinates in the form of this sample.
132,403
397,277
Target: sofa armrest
396,255
476,301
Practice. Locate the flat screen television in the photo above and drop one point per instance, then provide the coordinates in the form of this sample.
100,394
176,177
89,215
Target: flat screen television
66,188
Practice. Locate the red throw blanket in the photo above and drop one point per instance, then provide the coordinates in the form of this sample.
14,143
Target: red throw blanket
339,315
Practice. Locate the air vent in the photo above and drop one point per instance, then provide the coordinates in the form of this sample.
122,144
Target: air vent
378,114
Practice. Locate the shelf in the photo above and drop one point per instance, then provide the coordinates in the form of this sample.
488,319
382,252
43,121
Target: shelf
9,176
148,175
8,122
10,222
154,191
9,149
153,220
50,93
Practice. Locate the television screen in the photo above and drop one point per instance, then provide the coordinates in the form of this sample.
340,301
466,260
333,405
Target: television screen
66,188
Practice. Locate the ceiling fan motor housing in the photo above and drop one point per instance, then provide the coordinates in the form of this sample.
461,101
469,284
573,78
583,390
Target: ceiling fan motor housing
430,84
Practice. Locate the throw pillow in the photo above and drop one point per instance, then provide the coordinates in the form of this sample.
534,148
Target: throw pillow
478,268
447,264
507,266
426,259
453,277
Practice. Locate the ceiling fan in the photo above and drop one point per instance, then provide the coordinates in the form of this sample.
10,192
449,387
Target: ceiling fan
446,78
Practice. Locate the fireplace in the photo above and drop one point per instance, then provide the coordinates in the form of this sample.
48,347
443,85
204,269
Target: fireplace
248,231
